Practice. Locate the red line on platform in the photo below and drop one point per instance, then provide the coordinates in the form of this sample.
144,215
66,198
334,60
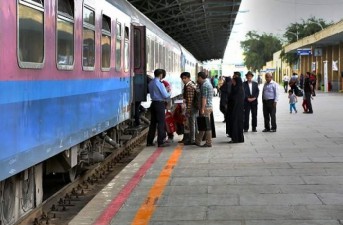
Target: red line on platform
113,208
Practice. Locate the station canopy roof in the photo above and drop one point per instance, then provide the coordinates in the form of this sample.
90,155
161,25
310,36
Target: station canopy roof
203,27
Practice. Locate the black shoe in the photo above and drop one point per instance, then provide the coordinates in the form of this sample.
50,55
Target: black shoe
165,144
254,130
266,130
245,130
273,130
149,144
189,143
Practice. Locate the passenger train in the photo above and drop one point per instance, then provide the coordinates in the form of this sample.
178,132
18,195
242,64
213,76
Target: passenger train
71,71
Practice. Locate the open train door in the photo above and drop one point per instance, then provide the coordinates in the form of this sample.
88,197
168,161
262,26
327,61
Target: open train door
139,57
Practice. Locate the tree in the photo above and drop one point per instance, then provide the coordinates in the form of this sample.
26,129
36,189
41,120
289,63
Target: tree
297,31
259,49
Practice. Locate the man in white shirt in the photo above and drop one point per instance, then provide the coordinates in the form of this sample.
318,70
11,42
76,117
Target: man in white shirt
270,97
285,80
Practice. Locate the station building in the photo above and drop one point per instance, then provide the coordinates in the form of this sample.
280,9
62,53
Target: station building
325,60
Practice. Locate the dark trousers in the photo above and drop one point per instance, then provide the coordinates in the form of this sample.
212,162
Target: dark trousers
137,121
308,102
157,110
269,114
285,86
247,108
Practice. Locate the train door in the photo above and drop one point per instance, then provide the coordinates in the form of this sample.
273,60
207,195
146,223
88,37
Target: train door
139,58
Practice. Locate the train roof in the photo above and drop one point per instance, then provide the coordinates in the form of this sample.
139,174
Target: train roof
203,27
140,19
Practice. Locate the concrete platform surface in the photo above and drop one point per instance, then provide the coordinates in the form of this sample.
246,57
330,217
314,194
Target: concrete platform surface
291,177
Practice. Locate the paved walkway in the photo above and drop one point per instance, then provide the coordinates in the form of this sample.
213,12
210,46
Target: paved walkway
291,177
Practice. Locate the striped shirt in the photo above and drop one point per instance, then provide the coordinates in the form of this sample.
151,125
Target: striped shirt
207,92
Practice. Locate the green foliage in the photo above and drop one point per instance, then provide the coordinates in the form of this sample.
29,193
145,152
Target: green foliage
259,49
290,58
297,31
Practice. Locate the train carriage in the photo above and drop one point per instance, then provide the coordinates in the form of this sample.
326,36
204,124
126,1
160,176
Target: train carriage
71,70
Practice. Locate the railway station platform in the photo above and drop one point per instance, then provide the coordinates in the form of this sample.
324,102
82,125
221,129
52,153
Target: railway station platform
291,177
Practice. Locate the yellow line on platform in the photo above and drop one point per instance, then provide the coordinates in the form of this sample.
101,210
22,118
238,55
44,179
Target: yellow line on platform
147,209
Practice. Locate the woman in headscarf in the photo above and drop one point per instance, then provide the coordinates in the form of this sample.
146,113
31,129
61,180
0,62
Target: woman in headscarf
236,113
225,90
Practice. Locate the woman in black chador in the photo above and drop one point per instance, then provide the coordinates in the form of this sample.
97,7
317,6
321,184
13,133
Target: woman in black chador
236,101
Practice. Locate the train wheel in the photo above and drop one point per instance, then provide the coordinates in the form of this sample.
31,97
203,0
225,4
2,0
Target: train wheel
73,173
28,190
8,193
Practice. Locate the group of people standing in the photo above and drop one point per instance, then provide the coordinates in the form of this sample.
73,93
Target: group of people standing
238,100
241,100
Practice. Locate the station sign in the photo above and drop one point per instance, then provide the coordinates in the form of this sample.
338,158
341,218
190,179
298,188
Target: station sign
304,51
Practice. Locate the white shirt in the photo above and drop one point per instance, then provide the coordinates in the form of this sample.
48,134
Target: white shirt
250,87
270,91
285,78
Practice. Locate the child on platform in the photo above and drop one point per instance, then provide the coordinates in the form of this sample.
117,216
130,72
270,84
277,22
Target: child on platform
292,100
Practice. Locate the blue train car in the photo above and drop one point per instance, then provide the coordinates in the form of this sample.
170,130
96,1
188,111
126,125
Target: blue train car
71,71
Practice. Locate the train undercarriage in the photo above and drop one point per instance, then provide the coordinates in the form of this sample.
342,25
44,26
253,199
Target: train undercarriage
26,190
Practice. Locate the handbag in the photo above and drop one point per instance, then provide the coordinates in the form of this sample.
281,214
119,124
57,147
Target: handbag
203,123
298,92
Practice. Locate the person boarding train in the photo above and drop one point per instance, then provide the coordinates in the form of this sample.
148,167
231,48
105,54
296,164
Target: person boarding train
159,95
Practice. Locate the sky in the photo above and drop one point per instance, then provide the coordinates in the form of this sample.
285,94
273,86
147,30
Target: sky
273,16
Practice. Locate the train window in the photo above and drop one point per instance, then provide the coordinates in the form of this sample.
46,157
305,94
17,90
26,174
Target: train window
106,43
172,61
148,53
175,62
66,7
126,50
159,50
118,46
169,60
30,34
88,50
106,23
164,50
161,56
65,34
88,16
157,61
152,54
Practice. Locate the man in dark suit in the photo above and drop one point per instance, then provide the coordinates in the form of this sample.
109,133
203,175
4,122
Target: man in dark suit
251,92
